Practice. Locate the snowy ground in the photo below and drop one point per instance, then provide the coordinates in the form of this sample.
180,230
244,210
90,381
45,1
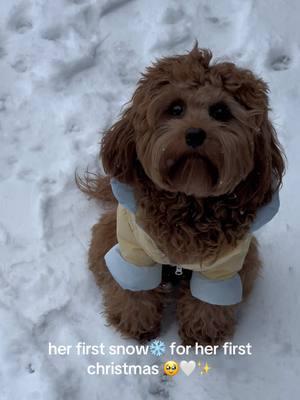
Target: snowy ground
66,67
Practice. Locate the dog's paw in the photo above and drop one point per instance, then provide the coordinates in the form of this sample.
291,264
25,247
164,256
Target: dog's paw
133,331
204,323
136,315
148,336
203,336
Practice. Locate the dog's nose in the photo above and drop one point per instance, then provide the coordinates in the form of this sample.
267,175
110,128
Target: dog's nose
195,137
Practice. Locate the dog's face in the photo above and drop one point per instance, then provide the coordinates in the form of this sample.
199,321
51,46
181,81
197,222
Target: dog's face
197,129
199,140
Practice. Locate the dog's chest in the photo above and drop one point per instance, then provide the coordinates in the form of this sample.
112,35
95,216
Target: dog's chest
182,242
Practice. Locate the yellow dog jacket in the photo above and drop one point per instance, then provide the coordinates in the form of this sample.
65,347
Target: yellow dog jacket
138,248
136,261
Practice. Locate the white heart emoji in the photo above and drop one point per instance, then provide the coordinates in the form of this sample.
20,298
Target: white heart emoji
187,366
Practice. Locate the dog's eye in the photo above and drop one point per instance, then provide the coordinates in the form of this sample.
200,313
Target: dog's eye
176,109
220,111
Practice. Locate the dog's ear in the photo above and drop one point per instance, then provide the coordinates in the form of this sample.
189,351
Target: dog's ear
266,176
118,150
269,167
273,154
252,93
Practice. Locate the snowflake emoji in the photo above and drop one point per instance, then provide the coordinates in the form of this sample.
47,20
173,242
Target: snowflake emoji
157,348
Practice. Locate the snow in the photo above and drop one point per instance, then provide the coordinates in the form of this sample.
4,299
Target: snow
67,67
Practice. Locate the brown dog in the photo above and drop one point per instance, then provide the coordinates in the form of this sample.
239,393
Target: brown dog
201,156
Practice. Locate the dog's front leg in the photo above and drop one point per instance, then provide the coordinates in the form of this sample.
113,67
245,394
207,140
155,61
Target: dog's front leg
136,314
202,322
213,324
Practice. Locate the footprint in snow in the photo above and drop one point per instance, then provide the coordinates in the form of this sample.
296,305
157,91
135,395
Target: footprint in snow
20,65
278,60
19,19
173,16
113,5
281,63
52,33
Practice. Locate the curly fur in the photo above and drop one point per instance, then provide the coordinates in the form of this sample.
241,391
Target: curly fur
194,211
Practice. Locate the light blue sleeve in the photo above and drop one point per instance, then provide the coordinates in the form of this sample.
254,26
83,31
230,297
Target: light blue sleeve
266,213
223,292
124,194
130,276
